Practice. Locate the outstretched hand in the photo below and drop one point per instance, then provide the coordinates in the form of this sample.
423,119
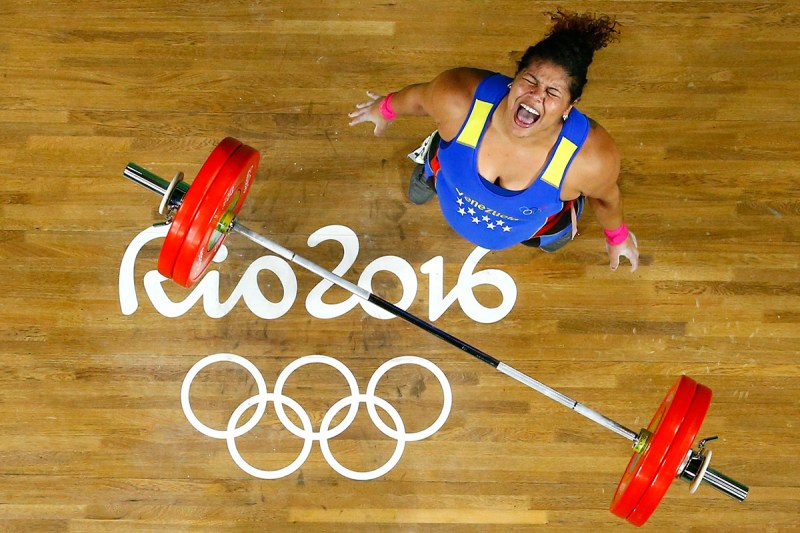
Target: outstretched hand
629,248
370,112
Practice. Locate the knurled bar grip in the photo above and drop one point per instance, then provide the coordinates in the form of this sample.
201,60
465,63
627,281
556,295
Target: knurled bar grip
566,401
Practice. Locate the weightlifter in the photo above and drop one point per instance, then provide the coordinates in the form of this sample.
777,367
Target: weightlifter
513,160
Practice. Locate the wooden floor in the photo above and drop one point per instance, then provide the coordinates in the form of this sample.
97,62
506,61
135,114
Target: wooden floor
702,100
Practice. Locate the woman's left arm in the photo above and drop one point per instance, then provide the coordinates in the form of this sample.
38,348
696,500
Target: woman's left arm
597,180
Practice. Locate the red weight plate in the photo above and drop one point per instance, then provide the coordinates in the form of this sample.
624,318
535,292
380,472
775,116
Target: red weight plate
222,202
642,468
677,453
191,202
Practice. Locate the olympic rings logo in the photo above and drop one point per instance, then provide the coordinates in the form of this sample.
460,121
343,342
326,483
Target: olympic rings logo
307,432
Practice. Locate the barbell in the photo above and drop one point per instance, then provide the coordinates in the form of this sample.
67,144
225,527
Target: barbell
201,216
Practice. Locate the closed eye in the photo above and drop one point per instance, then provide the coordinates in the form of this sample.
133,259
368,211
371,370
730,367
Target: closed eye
553,92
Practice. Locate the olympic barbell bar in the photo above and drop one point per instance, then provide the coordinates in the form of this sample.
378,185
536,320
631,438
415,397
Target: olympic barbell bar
203,214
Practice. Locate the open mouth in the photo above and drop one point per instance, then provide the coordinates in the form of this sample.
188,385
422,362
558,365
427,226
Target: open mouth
526,116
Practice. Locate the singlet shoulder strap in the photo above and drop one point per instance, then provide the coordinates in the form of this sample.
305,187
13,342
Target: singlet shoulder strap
488,94
573,135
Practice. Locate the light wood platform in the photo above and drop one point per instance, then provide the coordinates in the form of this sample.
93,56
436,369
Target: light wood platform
702,100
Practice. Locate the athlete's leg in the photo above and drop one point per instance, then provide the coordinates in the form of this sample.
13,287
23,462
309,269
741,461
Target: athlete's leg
422,185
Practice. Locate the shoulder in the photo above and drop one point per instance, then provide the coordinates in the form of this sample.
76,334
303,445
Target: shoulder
596,167
449,95
459,82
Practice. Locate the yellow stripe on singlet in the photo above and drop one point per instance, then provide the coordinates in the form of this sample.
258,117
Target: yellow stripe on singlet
554,172
471,133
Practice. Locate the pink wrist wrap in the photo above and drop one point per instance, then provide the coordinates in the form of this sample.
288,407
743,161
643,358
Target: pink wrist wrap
386,108
617,236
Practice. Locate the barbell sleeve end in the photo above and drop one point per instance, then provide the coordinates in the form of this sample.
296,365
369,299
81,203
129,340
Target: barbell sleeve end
728,486
145,178
171,191
697,467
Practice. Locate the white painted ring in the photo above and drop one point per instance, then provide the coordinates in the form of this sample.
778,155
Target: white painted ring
370,401
279,396
257,472
210,360
447,400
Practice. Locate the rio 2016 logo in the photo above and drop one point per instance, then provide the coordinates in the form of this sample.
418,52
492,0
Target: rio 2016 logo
248,288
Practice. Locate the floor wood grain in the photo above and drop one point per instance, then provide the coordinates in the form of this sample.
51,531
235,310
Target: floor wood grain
701,98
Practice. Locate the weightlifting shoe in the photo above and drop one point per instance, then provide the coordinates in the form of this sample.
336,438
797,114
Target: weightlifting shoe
420,189
557,244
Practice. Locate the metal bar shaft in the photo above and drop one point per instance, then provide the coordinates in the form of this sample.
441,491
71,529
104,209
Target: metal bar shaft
364,294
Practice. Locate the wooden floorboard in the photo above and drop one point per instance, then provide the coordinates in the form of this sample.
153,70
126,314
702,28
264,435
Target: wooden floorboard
94,347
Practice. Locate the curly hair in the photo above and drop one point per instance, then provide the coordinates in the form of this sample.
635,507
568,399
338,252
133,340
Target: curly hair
571,43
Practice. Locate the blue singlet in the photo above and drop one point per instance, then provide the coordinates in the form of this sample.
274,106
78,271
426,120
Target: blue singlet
482,212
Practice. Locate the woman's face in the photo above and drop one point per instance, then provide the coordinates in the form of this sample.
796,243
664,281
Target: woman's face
538,98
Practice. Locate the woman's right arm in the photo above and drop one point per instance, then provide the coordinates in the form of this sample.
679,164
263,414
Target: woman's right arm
446,99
